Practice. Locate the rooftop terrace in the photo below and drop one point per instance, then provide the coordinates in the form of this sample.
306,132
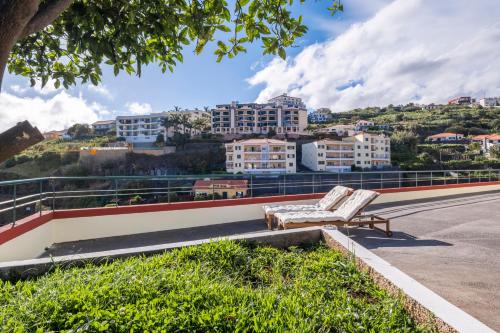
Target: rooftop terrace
446,235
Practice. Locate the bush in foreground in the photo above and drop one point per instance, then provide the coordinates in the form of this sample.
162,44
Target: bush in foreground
223,286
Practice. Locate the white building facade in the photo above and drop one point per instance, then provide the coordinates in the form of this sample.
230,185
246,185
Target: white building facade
282,114
261,156
321,115
364,150
145,128
489,102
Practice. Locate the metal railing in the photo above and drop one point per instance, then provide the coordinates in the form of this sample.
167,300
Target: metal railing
20,198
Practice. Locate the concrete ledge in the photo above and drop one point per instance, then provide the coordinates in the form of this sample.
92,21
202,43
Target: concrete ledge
21,269
424,305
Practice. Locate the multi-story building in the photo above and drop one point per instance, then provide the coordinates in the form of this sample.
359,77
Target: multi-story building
489,102
445,137
340,130
321,115
102,127
145,128
282,114
261,156
363,125
462,100
364,150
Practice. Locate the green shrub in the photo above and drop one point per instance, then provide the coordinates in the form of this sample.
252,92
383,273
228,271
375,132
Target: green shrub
70,157
217,287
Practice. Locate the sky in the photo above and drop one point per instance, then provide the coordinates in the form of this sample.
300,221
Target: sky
377,52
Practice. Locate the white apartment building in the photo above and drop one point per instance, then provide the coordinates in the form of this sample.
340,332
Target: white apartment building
283,114
487,141
363,125
321,115
340,130
261,156
445,137
145,128
489,102
363,150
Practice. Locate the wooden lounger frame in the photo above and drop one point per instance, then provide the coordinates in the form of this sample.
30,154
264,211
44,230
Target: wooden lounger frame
358,220
269,218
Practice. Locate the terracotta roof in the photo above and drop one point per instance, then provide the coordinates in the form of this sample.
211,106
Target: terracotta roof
227,183
494,137
480,137
261,141
443,135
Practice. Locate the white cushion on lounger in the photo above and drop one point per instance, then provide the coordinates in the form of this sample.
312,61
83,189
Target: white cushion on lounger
333,197
330,200
344,213
288,208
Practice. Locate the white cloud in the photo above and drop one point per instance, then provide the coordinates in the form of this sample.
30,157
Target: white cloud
100,90
48,89
136,108
411,50
53,113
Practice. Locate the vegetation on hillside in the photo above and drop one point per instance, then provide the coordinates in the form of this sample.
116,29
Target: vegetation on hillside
218,287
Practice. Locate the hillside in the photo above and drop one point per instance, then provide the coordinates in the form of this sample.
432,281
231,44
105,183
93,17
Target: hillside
461,119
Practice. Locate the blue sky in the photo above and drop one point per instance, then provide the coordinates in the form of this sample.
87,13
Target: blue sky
377,52
199,80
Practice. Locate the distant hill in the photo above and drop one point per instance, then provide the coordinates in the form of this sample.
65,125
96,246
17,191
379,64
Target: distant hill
462,119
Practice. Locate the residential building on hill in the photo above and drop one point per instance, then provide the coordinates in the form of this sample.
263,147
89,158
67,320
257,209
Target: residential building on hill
489,102
321,115
340,130
445,137
55,135
225,188
364,150
145,128
103,127
363,125
487,141
461,100
261,156
282,114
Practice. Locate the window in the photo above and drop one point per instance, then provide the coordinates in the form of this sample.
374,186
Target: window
367,147
359,147
290,164
367,154
321,162
359,154
238,156
358,162
320,154
366,139
290,147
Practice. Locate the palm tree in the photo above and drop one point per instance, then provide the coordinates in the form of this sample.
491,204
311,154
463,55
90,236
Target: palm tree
185,121
200,124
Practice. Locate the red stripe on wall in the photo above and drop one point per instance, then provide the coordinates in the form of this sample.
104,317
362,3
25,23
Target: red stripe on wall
8,232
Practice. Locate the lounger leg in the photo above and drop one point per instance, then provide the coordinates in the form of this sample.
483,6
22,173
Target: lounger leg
269,220
388,231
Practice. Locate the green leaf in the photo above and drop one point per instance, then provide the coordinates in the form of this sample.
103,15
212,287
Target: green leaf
282,53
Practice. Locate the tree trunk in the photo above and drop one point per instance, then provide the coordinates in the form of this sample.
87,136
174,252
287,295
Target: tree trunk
18,138
14,16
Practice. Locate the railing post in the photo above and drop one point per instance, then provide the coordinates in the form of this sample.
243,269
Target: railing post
458,175
14,195
431,178
416,179
313,184
116,192
468,174
361,180
53,196
399,178
489,175
40,197
284,184
381,180
168,191
251,186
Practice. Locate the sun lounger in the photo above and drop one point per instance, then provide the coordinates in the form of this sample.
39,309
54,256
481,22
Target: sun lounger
350,213
330,201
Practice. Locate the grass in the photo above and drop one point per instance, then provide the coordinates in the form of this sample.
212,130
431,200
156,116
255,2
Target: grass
217,287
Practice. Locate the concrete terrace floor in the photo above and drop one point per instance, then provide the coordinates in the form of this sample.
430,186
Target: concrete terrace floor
451,246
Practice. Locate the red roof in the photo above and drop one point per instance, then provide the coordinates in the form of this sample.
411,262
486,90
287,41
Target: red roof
443,135
227,183
486,136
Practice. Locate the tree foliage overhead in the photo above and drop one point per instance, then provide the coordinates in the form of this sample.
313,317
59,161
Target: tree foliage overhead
130,34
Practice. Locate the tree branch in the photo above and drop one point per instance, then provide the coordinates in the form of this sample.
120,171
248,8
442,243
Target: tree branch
46,14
